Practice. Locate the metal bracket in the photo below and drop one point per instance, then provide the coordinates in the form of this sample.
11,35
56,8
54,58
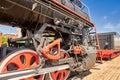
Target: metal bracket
38,35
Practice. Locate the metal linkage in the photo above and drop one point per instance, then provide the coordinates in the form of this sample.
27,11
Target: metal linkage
14,75
39,33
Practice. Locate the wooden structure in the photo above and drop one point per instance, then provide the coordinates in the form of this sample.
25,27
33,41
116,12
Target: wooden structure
109,70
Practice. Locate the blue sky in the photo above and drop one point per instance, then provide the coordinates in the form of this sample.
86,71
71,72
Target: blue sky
104,13
7,29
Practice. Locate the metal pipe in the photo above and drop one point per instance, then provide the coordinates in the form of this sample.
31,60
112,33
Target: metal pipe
15,75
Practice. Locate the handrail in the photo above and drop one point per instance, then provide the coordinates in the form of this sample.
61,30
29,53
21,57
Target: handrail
88,10
55,1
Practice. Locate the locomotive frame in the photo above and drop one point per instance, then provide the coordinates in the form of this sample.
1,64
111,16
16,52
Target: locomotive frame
63,40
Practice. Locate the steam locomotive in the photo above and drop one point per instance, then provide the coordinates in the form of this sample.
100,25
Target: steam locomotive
59,39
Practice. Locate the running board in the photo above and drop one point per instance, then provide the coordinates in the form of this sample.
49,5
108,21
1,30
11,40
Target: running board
16,75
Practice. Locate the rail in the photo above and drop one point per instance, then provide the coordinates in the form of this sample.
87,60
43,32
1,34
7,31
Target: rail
86,9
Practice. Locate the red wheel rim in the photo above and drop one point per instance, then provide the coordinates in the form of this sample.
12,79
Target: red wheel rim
61,74
20,60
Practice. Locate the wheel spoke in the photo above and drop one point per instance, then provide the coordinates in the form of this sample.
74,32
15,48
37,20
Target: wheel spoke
17,62
65,73
41,77
27,59
20,60
62,74
34,64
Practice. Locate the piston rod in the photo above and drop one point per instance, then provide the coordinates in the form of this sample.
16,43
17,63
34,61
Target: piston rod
14,75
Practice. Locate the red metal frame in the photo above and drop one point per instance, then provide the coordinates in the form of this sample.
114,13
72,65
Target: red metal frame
46,50
98,46
77,50
108,54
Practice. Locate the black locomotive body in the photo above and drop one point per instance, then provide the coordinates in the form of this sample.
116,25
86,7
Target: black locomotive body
61,34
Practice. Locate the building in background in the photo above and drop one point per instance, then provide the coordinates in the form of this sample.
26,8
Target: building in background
11,35
4,38
19,32
0,39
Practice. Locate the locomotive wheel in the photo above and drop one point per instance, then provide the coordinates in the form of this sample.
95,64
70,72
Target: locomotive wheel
20,60
61,74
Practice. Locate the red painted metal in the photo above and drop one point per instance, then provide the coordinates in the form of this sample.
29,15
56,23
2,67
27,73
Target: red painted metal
16,64
107,51
77,50
46,50
0,39
107,54
98,46
60,74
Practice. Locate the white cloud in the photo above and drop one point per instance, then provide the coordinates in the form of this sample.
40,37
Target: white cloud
114,12
112,27
118,25
105,17
109,26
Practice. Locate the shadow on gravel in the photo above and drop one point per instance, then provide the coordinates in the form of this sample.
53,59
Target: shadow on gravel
96,68
79,76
